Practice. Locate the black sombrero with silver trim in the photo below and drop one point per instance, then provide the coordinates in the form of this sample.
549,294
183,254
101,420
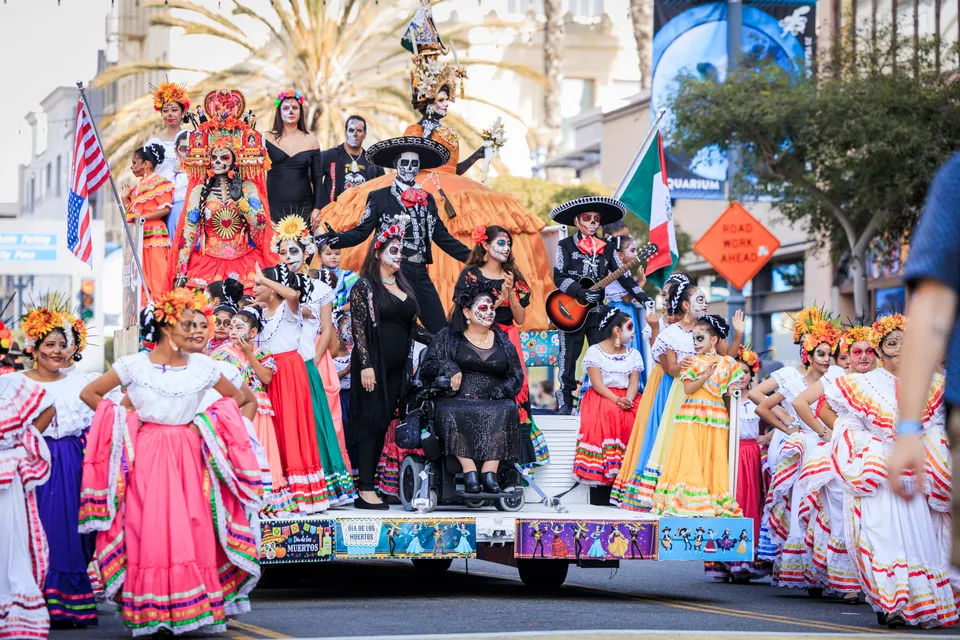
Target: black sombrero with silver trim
610,210
432,154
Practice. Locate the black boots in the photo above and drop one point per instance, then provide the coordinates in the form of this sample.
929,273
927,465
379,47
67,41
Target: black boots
471,482
490,482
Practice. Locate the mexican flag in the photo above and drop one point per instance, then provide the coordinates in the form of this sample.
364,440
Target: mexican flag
644,191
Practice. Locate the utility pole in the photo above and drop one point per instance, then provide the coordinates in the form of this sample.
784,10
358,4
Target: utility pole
735,300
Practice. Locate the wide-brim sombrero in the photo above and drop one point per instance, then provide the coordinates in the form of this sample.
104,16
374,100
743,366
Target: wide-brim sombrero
432,154
610,210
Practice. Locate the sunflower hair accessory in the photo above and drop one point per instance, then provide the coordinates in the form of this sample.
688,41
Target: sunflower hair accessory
884,326
804,320
170,92
823,330
479,234
40,322
292,227
858,331
285,95
749,358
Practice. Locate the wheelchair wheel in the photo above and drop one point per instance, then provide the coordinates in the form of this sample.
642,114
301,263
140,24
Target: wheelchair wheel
410,483
510,504
474,504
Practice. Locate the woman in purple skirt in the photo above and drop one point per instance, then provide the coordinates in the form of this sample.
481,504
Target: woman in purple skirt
50,341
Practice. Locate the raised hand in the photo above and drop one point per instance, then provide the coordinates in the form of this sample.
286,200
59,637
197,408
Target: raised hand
739,322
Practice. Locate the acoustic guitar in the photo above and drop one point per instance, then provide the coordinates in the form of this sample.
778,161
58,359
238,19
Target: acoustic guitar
568,314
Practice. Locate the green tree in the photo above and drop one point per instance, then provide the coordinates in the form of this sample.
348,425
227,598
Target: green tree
848,151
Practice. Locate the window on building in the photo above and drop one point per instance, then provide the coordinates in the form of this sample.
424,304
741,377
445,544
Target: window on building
59,177
787,276
49,178
891,300
716,288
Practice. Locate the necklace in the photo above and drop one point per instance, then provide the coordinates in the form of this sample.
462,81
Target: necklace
391,280
483,344
353,165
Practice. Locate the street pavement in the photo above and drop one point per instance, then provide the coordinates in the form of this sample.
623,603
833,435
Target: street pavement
483,600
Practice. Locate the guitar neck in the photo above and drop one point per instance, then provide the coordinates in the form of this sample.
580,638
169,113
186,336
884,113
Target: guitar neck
616,274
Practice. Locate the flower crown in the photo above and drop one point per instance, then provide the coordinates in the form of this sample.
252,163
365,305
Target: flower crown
40,322
80,329
479,234
6,339
823,330
170,92
856,333
472,291
289,93
749,357
885,325
292,227
169,308
803,322
393,231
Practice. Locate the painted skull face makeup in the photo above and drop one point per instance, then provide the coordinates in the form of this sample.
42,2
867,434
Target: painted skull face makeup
238,329
589,223
391,255
356,132
500,248
698,304
701,341
863,356
483,311
631,251
222,161
290,111
440,104
408,166
346,335
292,254
627,333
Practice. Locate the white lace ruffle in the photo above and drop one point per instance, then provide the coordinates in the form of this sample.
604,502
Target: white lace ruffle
673,338
200,373
73,415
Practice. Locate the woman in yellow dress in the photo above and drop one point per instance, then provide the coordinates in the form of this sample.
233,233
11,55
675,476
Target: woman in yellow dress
464,203
695,480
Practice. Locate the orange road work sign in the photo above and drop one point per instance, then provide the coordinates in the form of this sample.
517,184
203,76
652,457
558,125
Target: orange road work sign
737,245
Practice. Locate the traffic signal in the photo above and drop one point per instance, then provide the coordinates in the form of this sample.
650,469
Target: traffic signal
87,288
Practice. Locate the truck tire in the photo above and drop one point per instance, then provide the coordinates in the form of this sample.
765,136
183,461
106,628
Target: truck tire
542,574
428,567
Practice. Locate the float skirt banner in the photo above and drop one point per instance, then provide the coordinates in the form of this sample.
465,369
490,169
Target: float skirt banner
406,538
294,541
540,348
690,37
715,539
586,539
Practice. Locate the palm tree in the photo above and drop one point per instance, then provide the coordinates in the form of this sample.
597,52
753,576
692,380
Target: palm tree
642,27
344,56
552,70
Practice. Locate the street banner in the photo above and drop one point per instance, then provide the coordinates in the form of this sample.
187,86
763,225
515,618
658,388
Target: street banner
690,37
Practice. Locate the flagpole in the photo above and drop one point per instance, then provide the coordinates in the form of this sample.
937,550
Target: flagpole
651,134
116,193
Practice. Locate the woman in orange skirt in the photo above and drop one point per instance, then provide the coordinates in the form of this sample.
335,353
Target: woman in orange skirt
152,200
492,260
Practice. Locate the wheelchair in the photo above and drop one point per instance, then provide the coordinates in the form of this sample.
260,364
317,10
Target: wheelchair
434,479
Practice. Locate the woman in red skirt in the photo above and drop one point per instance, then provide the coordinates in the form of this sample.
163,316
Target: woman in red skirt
492,259
609,406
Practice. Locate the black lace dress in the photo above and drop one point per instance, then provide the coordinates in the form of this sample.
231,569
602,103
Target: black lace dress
480,421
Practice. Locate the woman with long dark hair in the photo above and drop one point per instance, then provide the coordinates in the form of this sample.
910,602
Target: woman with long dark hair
292,180
384,311
492,260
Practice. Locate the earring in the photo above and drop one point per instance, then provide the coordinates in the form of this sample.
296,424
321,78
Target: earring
617,343
175,348
468,320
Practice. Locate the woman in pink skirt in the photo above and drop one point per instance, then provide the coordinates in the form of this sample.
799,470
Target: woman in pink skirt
174,555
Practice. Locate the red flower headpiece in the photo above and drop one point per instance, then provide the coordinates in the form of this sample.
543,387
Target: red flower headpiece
170,92
393,231
749,358
479,234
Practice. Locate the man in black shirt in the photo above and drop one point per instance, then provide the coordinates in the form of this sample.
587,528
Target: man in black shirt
346,165
584,255
385,207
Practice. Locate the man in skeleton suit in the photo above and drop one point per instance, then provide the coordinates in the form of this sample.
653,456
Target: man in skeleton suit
408,155
584,255
346,165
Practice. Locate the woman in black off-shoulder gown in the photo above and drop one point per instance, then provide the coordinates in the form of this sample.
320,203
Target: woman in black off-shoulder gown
293,182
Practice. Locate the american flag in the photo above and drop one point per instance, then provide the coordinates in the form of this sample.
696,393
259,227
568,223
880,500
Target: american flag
90,171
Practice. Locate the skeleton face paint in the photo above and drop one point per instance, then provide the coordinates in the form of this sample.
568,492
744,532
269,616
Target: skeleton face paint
440,104
290,111
292,254
391,255
356,132
630,252
408,166
589,223
627,333
698,304
483,311
500,248
346,335
222,161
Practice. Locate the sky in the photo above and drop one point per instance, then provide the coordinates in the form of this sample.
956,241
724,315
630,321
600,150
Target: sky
33,66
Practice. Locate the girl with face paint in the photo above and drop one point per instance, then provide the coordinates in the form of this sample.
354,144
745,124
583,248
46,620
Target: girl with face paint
480,423
294,184
152,200
885,530
342,363
492,260
609,406
694,480
230,290
166,503
50,341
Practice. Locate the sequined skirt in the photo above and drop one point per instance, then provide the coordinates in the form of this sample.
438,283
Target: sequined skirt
479,429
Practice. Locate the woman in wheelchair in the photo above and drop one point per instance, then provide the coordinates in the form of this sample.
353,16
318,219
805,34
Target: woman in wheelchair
480,421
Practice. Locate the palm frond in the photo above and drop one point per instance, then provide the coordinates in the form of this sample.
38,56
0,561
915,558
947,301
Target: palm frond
192,28
191,6
117,72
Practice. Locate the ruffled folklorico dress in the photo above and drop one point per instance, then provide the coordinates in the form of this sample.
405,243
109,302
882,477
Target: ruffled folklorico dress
67,587
276,494
604,427
152,193
901,549
24,466
653,428
787,512
293,412
695,478
166,488
475,204
535,453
